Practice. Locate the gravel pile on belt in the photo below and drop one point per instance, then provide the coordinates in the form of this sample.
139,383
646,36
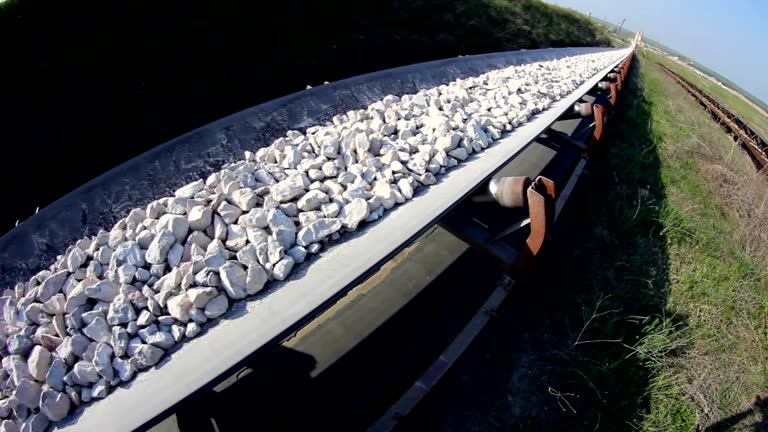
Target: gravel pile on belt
112,304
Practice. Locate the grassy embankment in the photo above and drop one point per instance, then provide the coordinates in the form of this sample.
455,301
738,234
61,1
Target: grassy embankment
650,309
718,248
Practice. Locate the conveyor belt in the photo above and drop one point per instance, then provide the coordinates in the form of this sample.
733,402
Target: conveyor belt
256,324
349,363
353,360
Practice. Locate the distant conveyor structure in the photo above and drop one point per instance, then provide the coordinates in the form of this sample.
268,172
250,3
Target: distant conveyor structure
754,143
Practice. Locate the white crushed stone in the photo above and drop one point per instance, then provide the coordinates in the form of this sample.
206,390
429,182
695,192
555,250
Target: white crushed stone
114,303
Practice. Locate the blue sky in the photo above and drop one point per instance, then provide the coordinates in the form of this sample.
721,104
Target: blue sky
728,36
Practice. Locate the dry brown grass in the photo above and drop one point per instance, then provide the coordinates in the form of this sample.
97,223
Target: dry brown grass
724,165
746,196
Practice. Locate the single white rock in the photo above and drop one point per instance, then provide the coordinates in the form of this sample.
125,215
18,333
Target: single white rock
100,389
216,307
215,259
161,339
147,356
318,230
39,362
475,132
54,305
178,225
199,218
55,375
287,189
179,306
275,250
84,373
124,368
155,209
298,253
54,405
228,212
192,330
276,219
35,423
145,318
385,193
312,200
247,255
200,296
283,268
177,331
233,279
256,279
160,246
175,255
427,179
120,311
256,218
126,273
98,330
331,209
459,153
405,188
127,253
51,285
306,218
219,228
75,259
190,190
28,393
102,361
18,344
353,213
105,290
236,237
245,199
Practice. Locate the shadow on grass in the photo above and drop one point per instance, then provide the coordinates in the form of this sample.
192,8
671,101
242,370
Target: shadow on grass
575,346
759,407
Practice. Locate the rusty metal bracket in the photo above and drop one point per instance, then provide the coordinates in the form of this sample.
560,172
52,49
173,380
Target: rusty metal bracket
614,95
541,207
599,113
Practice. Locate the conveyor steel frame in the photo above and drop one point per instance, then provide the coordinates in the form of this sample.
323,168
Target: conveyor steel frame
269,318
422,386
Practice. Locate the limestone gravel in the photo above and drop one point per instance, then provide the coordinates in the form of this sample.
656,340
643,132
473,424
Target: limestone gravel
112,304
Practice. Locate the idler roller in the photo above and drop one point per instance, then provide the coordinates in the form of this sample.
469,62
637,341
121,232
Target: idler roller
510,191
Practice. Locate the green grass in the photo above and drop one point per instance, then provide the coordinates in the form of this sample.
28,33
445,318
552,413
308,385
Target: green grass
716,284
544,24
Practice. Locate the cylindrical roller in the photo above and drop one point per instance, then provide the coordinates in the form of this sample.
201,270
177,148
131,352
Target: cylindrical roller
510,191
582,108
612,75
603,85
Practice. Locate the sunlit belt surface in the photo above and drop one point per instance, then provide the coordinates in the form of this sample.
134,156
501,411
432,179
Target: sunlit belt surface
114,303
